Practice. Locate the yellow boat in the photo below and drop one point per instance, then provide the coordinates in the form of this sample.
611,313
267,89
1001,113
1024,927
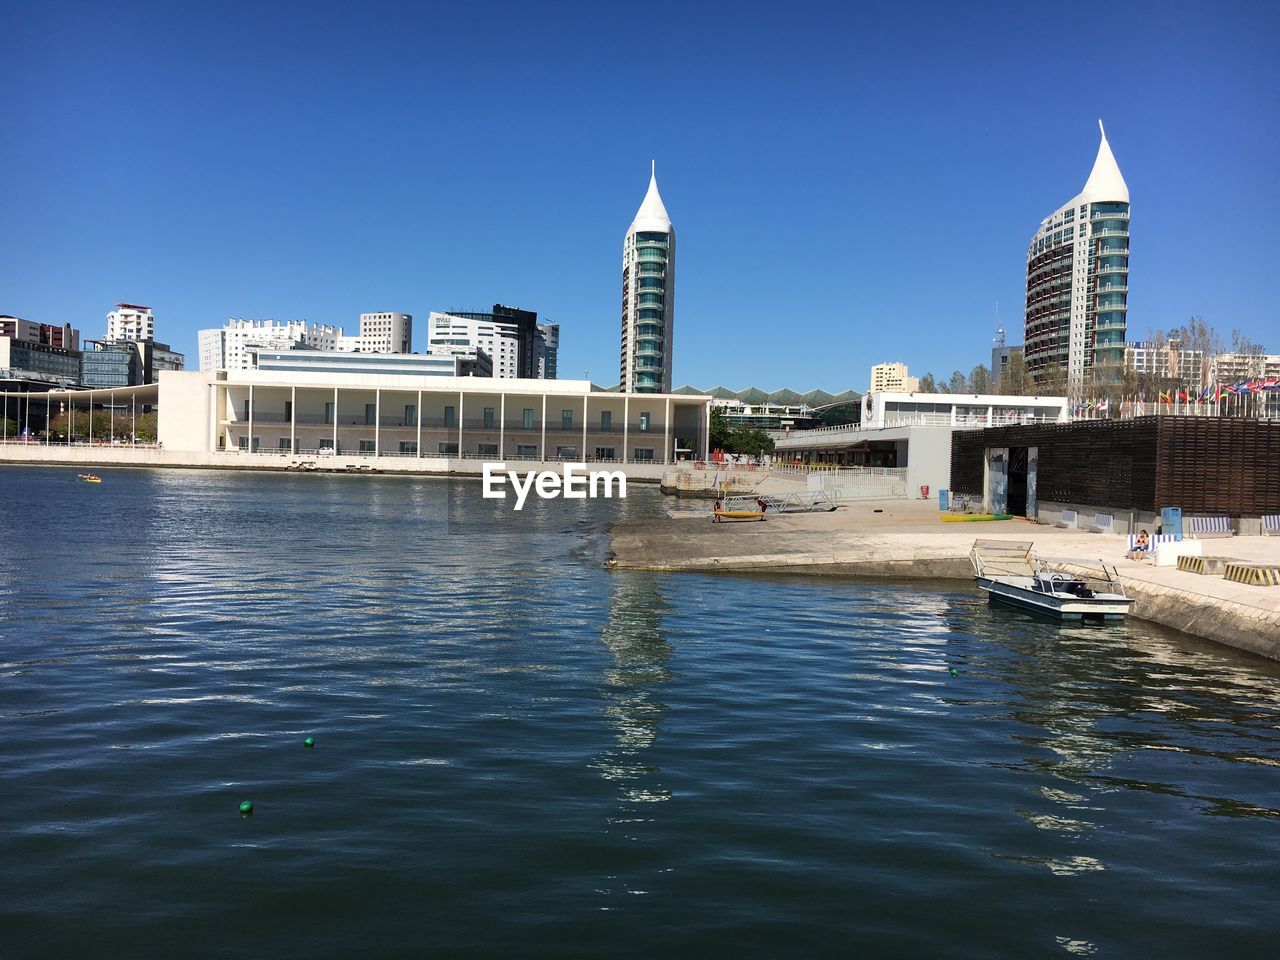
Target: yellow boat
970,517
721,515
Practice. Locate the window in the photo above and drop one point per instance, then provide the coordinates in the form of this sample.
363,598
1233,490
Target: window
488,418
247,412
526,420
410,416
370,414
409,446
644,453
605,453
566,419
450,416
566,453
325,443
644,423
288,409
448,449
243,442
328,412
367,446
606,419
284,444
487,450
526,451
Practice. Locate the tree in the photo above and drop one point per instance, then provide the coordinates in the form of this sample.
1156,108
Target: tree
719,435
1250,352
1014,379
731,439
8,428
148,424
928,384
958,383
980,379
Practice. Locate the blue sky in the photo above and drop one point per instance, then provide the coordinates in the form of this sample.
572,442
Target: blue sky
848,184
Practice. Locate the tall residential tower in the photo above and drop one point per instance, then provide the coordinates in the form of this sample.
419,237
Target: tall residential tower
648,296
1078,279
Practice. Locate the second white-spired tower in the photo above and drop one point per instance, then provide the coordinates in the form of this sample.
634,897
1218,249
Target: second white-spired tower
648,296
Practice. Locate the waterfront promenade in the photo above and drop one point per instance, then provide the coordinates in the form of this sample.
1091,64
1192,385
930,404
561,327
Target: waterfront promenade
906,539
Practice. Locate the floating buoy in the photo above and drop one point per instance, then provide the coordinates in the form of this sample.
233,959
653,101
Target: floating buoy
955,672
246,808
309,742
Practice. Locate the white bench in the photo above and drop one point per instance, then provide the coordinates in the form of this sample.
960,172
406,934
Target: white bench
1101,523
1271,525
1209,528
1068,520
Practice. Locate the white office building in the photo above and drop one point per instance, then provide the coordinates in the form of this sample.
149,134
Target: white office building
130,322
648,296
1078,279
449,335
1168,360
229,348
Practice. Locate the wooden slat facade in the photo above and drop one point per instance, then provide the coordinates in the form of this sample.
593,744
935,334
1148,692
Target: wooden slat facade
1205,465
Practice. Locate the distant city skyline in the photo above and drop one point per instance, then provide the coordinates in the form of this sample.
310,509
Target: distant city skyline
828,202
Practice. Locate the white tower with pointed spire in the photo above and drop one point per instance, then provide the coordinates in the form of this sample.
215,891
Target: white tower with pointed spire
1078,279
648,296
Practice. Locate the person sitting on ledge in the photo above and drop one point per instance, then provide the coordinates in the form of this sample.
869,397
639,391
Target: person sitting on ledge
1140,547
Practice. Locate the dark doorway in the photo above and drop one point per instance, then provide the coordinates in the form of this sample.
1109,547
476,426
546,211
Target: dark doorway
1018,481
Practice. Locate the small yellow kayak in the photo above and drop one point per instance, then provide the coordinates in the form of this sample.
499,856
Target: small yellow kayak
720,515
971,517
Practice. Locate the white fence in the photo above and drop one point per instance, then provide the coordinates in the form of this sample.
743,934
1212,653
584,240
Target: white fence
861,483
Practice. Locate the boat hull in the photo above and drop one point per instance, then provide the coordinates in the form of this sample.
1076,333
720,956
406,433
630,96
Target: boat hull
1062,607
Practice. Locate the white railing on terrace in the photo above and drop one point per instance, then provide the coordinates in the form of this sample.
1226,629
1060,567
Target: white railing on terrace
927,420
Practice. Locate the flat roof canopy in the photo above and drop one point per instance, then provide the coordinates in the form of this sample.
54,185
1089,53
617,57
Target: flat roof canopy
143,393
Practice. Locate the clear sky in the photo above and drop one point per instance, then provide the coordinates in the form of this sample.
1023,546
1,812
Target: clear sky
849,182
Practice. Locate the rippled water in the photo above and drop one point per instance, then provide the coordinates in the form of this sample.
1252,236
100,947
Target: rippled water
521,754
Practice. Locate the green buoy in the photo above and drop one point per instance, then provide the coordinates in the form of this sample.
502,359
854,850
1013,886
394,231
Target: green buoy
246,808
955,672
309,742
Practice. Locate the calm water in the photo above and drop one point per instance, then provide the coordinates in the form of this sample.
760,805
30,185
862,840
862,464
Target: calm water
521,754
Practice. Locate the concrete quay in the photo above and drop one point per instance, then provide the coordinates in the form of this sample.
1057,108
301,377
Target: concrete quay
905,539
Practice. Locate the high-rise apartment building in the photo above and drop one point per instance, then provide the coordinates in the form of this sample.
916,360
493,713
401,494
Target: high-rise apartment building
1078,279
384,333
130,321
648,296
892,377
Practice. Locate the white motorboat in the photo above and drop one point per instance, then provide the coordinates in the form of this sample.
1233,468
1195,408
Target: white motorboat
1009,572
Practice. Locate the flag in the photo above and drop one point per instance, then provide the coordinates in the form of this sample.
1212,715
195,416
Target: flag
1164,397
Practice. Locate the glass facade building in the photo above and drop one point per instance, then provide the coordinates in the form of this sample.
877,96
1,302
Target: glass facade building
105,365
1078,280
648,297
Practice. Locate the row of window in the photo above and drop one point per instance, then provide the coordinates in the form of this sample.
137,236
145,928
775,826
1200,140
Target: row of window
447,448
489,421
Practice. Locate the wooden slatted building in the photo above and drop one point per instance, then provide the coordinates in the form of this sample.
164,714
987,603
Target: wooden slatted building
1205,465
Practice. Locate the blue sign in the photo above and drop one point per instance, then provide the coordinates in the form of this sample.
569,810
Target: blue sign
1171,522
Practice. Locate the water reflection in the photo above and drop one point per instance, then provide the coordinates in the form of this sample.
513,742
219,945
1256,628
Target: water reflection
634,636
